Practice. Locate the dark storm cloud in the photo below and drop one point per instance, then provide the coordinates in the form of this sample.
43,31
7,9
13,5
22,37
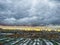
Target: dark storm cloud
29,12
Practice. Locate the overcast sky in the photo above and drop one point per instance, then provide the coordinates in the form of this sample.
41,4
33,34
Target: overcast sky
29,12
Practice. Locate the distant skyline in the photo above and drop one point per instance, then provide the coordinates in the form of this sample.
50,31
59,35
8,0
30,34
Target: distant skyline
30,12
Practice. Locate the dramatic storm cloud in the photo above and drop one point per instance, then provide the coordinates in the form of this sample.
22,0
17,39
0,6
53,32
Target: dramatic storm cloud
29,12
